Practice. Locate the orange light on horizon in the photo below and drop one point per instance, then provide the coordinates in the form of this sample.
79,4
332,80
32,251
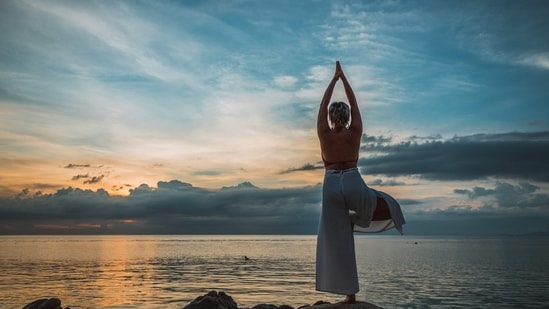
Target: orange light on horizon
127,221
87,226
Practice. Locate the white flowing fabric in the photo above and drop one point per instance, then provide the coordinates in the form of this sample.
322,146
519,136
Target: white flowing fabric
342,192
396,221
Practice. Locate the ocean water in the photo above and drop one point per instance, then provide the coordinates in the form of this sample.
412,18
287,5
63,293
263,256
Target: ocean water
170,271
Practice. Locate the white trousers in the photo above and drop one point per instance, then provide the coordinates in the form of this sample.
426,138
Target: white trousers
342,191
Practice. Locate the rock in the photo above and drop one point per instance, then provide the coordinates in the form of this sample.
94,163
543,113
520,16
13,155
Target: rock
357,305
265,306
271,306
44,303
320,302
215,300
325,305
212,300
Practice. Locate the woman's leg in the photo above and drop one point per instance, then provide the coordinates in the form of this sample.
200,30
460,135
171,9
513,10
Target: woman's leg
335,255
382,210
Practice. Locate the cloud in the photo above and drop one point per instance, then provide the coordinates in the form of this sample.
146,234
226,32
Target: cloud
475,192
70,165
174,185
241,186
305,167
176,207
80,176
376,141
504,209
207,173
537,60
122,32
380,182
285,81
356,26
509,196
508,155
171,207
94,179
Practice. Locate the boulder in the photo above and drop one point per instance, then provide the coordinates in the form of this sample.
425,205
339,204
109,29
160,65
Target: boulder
322,305
212,300
44,303
320,302
271,306
265,306
215,300
357,305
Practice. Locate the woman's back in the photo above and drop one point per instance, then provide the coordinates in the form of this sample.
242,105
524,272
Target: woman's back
340,148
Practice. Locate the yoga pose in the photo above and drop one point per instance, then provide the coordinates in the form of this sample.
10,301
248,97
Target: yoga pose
339,128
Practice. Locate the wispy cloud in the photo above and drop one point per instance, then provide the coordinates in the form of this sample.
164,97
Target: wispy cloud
539,60
94,179
306,167
285,81
132,38
80,176
71,165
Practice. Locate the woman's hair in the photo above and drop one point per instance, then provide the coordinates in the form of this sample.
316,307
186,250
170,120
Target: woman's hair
339,114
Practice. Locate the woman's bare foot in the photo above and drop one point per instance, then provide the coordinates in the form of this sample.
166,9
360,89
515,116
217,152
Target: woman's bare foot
350,299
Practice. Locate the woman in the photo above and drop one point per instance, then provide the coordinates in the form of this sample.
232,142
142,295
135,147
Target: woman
339,128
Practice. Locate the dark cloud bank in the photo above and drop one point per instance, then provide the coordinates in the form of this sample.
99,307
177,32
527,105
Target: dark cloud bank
172,207
516,204
510,155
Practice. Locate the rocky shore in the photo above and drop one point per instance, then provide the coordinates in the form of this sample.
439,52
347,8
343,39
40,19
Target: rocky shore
219,300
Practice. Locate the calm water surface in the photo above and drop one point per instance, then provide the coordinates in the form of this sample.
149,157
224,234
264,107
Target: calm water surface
170,271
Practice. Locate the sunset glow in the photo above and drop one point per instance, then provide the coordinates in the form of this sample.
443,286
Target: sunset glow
113,113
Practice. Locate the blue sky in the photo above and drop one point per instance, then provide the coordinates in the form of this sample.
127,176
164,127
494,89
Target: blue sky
103,102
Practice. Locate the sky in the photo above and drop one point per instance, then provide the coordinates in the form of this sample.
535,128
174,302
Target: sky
199,117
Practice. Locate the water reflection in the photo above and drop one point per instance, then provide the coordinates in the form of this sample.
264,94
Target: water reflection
456,272
170,271
152,272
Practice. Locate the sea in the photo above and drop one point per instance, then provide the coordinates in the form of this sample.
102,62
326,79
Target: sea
170,271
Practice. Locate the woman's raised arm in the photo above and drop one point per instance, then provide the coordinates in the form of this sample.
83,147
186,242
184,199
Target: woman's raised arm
322,125
356,119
